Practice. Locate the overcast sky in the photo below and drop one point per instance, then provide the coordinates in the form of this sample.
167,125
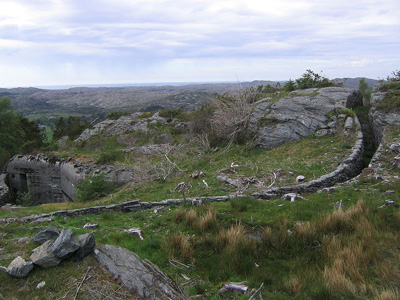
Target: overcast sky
66,42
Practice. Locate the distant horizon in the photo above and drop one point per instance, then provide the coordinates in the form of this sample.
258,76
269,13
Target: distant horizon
149,84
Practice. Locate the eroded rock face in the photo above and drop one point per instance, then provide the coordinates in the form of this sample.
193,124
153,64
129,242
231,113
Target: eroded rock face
300,114
137,274
380,119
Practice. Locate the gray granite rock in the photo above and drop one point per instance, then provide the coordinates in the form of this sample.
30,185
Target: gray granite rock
298,115
19,267
44,257
87,243
137,274
50,233
66,244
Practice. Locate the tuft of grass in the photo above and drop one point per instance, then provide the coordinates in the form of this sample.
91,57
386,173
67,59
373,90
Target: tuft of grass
209,220
178,246
191,218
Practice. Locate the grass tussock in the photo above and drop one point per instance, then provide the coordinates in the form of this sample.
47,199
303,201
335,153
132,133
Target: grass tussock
196,221
178,246
390,294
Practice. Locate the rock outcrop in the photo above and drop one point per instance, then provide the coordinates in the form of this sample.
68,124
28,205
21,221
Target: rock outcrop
137,274
300,114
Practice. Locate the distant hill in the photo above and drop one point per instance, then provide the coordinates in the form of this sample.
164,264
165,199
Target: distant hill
101,100
98,101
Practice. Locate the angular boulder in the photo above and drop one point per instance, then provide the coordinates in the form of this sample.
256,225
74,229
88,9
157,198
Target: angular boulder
50,233
43,255
66,244
137,274
19,267
87,243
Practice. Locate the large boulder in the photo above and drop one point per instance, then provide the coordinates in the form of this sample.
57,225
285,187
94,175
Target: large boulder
50,233
43,255
298,115
66,244
137,274
87,243
19,267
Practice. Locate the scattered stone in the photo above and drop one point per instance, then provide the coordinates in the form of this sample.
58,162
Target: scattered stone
300,178
19,267
140,275
90,225
348,124
3,235
42,220
387,203
43,255
234,286
87,243
40,285
66,244
321,132
395,147
226,179
389,192
50,233
3,269
292,197
197,174
22,241
135,231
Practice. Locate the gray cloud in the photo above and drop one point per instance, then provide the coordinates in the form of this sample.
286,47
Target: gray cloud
78,42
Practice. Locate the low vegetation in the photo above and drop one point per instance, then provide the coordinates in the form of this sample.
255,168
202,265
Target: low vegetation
391,101
340,243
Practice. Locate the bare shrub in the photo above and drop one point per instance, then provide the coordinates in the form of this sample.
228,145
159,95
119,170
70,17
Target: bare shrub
231,118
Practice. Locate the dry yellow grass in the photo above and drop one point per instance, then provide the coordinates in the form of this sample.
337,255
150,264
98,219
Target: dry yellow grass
179,246
209,220
191,218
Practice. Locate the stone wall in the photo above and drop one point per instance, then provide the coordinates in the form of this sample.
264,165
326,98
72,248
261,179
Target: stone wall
348,169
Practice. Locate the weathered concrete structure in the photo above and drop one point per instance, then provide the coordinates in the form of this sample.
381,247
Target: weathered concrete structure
51,180
47,181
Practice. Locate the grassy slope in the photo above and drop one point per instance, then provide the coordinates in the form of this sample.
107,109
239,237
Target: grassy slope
304,250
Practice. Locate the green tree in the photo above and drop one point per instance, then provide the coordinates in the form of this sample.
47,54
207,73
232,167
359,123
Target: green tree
17,133
311,79
365,90
289,86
